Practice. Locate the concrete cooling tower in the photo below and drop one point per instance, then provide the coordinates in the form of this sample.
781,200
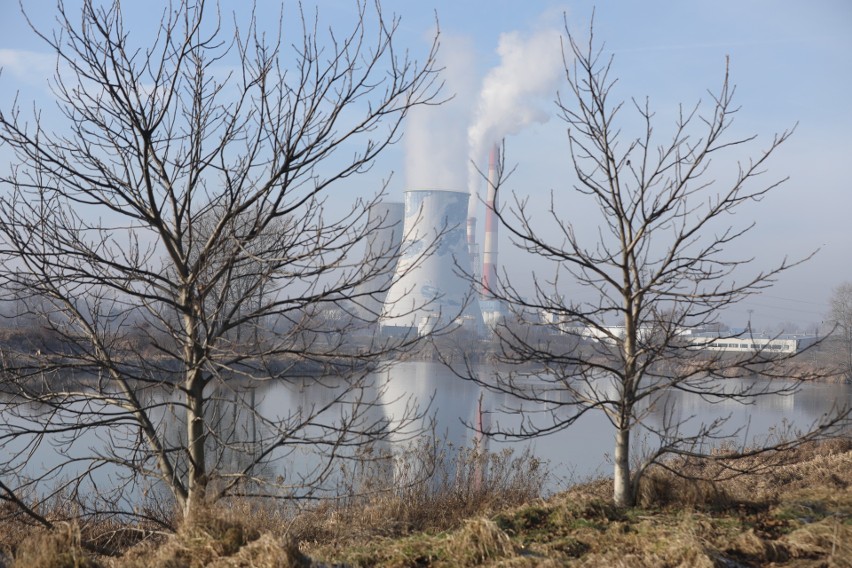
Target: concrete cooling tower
430,289
385,223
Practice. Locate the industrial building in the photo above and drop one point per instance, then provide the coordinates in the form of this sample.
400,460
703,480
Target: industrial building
433,285
431,288
706,340
753,343
422,273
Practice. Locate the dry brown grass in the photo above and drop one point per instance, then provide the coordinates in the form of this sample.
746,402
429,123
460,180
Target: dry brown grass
59,548
106,533
715,484
830,539
798,514
424,493
445,491
479,541
419,491
215,538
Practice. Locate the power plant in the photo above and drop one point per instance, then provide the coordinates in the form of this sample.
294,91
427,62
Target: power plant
420,271
432,287
385,226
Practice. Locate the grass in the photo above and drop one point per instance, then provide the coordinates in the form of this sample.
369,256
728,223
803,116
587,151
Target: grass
60,548
797,514
216,539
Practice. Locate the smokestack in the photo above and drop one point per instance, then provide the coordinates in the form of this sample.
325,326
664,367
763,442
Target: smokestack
430,289
489,249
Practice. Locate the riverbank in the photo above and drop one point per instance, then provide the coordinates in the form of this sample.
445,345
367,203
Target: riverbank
797,514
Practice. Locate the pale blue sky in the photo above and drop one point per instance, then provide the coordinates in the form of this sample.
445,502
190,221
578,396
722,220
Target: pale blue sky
791,61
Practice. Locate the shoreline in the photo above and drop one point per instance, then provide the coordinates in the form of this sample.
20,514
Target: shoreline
798,513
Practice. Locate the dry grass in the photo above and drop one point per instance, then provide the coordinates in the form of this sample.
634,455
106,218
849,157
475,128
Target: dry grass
423,492
478,541
799,514
829,538
60,548
777,474
215,538
106,533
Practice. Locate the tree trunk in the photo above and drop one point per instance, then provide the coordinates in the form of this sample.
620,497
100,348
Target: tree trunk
197,482
622,489
848,356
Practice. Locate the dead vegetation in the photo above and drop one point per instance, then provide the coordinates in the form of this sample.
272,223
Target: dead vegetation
798,514
426,493
219,539
60,548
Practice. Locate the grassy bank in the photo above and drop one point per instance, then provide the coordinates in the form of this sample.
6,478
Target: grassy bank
797,514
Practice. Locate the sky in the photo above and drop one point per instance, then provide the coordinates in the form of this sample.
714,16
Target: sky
791,62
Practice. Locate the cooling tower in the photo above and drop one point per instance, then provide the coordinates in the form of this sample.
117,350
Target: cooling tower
432,287
385,226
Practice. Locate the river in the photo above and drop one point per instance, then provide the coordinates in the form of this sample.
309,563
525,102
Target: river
581,451
572,454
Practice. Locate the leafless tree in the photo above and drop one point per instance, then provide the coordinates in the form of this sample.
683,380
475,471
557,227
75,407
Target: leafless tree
840,317
181,199
660,265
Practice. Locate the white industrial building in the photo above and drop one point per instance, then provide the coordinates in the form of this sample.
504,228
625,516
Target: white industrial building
742,342
754,343
712,341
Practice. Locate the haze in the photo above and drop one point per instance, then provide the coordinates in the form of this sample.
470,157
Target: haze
791,61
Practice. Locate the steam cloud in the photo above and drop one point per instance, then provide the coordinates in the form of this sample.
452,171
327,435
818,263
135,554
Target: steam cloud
514,94
435,146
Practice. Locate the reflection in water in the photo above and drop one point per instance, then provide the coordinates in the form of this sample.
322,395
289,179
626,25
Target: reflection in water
582,451
389,397
750,421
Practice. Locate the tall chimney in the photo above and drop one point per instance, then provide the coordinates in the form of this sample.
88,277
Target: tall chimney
489,249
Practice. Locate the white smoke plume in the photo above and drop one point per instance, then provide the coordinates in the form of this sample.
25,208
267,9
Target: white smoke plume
436,147
516,93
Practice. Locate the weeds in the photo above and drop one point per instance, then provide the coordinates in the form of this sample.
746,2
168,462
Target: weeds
423,490
479,541
216,538
796,514
60,548
715,484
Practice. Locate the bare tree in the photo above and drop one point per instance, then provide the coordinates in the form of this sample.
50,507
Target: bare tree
840,317
181,200
658,269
